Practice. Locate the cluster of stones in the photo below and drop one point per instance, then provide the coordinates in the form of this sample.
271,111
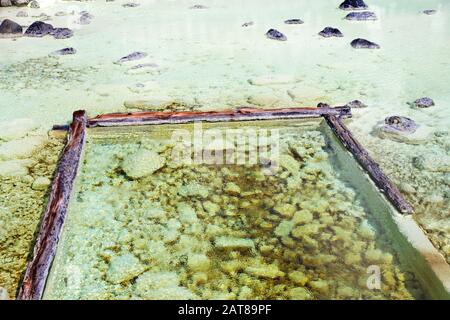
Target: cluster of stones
27,163
174,231
9,28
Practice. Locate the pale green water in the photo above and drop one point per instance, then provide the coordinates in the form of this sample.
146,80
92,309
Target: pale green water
206,58
199,231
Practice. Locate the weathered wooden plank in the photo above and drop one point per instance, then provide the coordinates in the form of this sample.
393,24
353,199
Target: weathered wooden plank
243,114
370,166
38,268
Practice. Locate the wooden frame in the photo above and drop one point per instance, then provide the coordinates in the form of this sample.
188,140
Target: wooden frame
38,268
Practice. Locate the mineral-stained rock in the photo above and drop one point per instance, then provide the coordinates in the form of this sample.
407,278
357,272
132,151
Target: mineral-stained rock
38,29
22,148
287,162
3,294
330,32
285,210
17,128
269,271
193,189
232,188
320,286
234,243
15,168
9,28
424,102
41,183
298,278
361,16
152,280
436,162
284,228
198,262
186,213
85,18
364,44
299,294
294,21
275,35
124,268
142,163
403,129
353,5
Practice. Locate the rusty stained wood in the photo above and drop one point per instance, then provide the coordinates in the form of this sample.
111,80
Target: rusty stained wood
369,165
242,114
38,268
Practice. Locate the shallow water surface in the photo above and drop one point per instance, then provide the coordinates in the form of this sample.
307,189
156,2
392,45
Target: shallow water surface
221,231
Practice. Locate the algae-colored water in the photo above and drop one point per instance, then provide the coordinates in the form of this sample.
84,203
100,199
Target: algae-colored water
151,227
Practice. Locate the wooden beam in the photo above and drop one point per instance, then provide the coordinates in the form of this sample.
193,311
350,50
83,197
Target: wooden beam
369,165
242,114
38,268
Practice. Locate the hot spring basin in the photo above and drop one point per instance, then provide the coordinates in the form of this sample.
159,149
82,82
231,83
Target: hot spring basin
143,224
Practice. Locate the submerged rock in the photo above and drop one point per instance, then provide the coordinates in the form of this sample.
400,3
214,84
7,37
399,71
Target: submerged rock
5,3
356,104
198,6
361,16
22,148
294,21
142,163
124,268
132,56
9,28
3,294
364,44
248,24
131,5
39,29
429,12
64,51
403,129
330,32
61,33
275,35
17,128
41,183
85,18
22,14
15,168
424,102
34,4
353,5
435,162
402,124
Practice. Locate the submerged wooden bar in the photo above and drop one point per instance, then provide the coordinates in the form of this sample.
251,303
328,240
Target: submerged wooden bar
369,165
38,268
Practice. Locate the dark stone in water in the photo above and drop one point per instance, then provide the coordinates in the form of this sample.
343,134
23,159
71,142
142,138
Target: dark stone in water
330,32
85,18
198,6
429,12
294,21
356,104
61,33
323,105
64,51
353,5
275,35
361,16
364,44
248,24
401,124
133,56
424,102
39,29
131,5
10,28
21,14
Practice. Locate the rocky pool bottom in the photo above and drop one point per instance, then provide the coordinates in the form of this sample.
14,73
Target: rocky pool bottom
22,202
159,230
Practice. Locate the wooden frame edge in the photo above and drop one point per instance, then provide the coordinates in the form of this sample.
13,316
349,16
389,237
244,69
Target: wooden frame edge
36,274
